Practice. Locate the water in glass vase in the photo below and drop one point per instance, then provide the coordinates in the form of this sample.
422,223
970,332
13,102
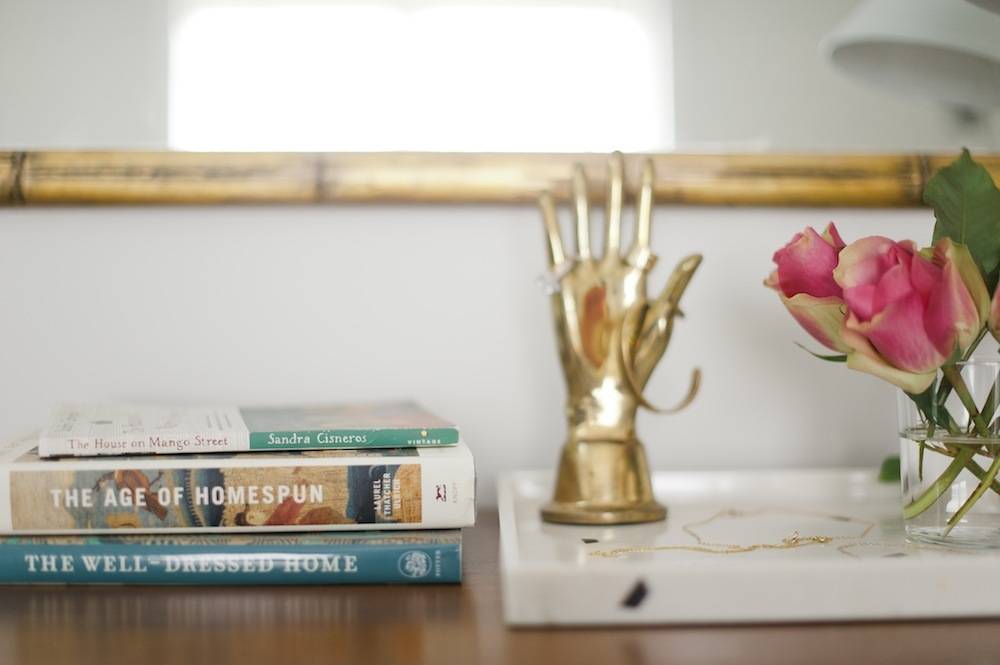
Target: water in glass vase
944,500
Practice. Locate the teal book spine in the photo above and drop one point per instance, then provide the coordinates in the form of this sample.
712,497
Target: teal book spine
95,430
345,439
229,560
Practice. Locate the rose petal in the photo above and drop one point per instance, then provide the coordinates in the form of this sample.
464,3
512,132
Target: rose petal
951,315
805,265
861,300
772,281
822,318
897,333
903,252
946,251
864,358
863,261
911,383
894,285
924,275
832,236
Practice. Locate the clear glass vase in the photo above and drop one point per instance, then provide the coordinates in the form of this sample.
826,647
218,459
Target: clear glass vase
950,458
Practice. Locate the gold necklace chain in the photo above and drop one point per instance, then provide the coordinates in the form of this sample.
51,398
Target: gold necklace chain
792,541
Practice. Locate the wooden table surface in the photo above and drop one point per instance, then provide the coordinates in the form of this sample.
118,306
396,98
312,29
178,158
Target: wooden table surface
429,624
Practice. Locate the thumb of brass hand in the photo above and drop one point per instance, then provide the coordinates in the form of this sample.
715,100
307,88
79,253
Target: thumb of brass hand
645,340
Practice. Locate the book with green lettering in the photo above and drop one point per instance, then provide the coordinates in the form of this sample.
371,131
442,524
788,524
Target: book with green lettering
124,429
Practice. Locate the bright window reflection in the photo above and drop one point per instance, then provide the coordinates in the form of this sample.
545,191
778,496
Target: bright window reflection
446,77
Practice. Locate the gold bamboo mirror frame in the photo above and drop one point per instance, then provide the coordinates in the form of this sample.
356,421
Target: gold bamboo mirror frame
29,178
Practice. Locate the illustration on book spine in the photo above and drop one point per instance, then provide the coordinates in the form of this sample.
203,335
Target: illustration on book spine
235,496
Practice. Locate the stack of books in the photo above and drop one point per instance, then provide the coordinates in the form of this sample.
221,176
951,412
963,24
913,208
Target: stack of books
372,493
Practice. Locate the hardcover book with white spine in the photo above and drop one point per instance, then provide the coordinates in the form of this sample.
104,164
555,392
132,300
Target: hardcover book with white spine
322,490
90,430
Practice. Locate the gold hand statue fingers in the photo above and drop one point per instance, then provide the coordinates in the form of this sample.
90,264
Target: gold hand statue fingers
613,215
666,304
658,323
559,266
641,254
654,337
582,207
556,254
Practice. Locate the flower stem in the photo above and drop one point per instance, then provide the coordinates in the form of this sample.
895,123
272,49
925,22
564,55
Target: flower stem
944,389
991,474
980,474
990,406
955,379
971,466
920,460
943,482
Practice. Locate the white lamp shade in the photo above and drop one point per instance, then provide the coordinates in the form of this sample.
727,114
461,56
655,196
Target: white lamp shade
944,50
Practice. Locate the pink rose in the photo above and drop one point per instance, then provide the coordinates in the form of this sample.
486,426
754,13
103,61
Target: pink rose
908,312
804,281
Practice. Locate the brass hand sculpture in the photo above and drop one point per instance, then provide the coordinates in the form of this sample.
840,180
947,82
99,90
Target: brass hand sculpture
610,339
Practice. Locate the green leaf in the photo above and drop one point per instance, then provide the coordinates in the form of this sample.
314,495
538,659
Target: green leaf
966,205
839,358
924,400
889,471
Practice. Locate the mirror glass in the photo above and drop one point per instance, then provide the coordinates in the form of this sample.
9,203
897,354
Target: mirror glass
536,76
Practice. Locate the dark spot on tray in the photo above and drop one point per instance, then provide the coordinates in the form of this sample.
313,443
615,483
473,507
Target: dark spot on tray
894,555
636,595
589,541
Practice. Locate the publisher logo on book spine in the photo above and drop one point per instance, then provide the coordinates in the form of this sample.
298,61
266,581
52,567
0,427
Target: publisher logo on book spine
415,564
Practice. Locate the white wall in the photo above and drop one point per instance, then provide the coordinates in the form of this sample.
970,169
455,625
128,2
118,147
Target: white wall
294,304
83,74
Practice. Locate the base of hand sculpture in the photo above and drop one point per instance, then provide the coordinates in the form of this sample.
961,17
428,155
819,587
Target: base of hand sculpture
610,338
603,482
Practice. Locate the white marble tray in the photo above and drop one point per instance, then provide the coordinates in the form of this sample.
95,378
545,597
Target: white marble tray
867,572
